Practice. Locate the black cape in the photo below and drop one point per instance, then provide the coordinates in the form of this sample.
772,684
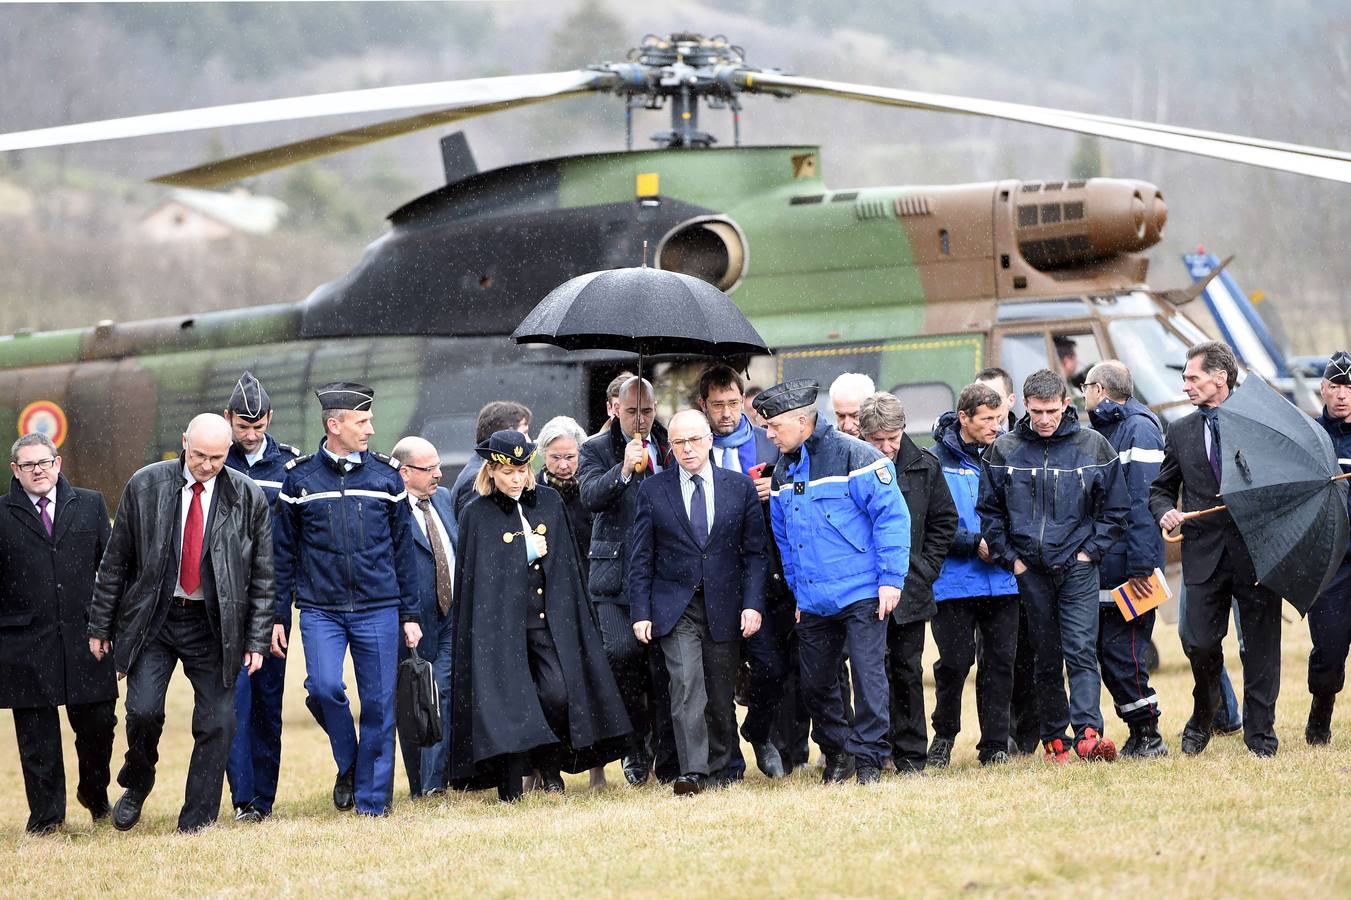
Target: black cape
496,709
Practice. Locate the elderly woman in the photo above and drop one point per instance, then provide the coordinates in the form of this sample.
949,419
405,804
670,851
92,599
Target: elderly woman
532,687
560,443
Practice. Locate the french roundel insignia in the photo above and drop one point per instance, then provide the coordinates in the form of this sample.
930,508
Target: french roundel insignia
884,475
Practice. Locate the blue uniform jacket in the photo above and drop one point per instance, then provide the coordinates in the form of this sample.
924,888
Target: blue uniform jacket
964,574
268,472
841,525
1340,432
1042,500
1135,435
345,539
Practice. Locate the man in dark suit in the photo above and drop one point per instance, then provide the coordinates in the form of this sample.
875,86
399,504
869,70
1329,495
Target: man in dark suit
704,524
436,539
51,538
613,465
187,577
1216,565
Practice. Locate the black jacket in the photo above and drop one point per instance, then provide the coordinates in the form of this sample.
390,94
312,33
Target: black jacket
45,586
612,503
134,579
496,708
579,517
933,525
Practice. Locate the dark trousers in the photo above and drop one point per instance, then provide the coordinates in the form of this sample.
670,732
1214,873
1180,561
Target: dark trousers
822,642
255,755
38,730
187,637
552,690
1208,622
1062,623
1024,720
427,767
956,627
1121,653
640,673
905,677
766,653
1330,628
702,681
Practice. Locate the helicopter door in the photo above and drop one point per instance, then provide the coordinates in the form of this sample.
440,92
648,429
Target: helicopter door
1071,351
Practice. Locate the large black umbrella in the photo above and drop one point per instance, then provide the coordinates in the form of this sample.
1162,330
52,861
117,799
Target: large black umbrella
1281,482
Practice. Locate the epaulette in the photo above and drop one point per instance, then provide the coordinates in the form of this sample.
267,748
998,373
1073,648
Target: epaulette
287,448
297,461
386,459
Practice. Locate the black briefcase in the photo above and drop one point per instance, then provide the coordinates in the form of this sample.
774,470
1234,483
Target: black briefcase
417,706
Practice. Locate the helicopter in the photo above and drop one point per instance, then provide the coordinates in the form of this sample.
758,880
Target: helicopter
917,286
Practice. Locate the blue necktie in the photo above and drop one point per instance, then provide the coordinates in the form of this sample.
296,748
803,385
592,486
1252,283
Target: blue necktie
699,511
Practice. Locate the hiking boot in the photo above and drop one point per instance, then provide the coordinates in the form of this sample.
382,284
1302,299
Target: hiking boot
997,758
1056,751
1145,742
940,752
1318,731
838,768
1093,746
867,774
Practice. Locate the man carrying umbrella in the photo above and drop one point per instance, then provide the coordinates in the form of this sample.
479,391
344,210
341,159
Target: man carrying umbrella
1216,564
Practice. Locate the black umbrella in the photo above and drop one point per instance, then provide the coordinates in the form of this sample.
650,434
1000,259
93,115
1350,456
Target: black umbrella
1281,482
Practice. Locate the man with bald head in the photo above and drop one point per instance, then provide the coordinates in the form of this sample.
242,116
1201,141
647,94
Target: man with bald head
846,396
187,577
697,569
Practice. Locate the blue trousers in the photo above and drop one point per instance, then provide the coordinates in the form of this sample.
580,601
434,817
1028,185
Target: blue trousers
1330,628
426,766
373,637
1062,624
1121,649
255,755
822,642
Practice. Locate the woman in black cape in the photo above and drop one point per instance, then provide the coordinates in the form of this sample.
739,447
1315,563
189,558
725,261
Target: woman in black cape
531,685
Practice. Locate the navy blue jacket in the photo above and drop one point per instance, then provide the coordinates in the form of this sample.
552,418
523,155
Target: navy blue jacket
964,574
1042,500
1340,432
344,541
840,522
667,562
1135,435
268,472
425,564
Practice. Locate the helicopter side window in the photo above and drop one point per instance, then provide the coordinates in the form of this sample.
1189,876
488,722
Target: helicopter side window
923,404
1075,354
1155,356
1020,355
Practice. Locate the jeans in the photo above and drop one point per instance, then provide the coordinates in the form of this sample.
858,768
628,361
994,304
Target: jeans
1062,622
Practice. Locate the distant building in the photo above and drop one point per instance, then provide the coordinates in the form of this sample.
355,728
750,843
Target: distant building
191,215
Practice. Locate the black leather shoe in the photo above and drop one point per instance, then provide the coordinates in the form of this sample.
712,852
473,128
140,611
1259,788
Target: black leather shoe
1194,740
637,769
248,814
768,759
940,752
127,812
688,785
551,782
1318,730
1145,742
867,774
345,789
98,809
839,767
43,830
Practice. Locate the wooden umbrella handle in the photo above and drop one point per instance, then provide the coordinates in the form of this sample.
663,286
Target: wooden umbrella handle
641,464
1177,538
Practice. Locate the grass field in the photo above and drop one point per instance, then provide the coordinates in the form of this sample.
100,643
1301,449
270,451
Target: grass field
1223,824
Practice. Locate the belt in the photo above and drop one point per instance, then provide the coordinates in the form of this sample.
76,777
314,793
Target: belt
184,601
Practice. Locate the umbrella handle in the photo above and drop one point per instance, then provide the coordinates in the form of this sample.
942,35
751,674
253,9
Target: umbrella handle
1177,538
641,464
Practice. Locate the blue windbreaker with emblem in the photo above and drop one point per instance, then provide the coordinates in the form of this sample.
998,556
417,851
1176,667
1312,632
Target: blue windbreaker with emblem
964,574
268,472
1135,435
344,541
840,522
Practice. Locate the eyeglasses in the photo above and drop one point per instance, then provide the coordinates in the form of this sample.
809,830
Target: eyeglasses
1091,384
43,464
434,467
682,443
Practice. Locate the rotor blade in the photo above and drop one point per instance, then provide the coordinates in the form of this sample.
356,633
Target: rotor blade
1318,162
463,96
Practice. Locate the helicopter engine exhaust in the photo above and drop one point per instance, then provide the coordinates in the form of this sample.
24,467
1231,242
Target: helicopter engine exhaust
710,248
1062,224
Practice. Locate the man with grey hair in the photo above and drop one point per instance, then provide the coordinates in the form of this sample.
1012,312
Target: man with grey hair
846,395
51,541
187,577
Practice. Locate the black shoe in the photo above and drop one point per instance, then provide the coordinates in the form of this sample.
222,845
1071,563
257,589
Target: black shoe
768,759
127,812
43,830
688,785
940,752
345,789
997,758
637,769
838,768
1263,752
1145,742
248,814
1194,740
1226,729
1318,730
98,809
868,774
551,781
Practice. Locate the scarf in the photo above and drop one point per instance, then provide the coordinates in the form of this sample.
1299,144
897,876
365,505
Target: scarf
741,440
568,489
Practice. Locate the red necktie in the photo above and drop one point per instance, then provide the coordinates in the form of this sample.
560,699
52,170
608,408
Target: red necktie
190,566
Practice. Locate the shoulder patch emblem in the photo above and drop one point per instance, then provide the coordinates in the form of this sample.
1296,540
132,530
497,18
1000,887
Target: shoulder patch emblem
884,475
295,462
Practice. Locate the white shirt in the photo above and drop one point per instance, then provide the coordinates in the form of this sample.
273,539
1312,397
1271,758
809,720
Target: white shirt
184,505
687,490
51,503
440,529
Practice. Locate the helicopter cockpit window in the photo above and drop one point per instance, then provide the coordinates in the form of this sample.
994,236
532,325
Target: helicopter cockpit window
1133,304
1020,355
923,404
1043,309
1075,354
1155,356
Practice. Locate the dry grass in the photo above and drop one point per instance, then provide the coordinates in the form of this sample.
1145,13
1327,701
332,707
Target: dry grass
1225,823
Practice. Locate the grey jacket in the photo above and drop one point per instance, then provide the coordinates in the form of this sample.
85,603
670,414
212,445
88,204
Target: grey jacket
130,595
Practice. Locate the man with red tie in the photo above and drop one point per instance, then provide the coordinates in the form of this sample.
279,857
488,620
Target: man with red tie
187,577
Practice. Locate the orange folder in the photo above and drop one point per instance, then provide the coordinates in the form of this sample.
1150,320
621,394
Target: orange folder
1132,607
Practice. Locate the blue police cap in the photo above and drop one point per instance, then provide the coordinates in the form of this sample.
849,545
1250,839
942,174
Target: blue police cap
1338,370
249,399
345,395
